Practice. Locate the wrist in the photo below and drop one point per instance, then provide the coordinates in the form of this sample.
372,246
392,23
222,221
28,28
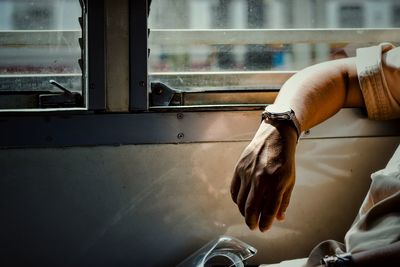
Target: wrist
283,114
284,129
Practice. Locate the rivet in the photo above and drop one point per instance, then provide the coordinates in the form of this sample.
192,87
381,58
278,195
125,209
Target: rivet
180,136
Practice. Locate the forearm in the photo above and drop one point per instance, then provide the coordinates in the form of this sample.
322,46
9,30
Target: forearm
265,175
318,92
377,257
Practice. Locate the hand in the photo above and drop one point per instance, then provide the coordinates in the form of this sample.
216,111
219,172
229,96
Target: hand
265,175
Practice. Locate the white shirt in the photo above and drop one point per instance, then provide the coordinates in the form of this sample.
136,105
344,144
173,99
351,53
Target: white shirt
378,220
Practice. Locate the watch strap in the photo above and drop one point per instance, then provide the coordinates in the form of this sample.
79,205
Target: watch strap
296,124
338,260
293,119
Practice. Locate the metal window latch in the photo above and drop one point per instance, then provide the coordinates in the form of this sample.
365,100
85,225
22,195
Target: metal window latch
63,99
164,95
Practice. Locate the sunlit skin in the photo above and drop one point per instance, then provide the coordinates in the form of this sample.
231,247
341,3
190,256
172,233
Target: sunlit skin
264,176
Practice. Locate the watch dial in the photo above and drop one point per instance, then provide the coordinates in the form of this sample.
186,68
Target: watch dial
278,108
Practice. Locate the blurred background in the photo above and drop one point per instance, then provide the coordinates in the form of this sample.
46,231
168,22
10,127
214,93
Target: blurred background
261,14
39,39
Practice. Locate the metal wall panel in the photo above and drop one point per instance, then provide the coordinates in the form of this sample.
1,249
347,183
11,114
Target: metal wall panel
51,130
153,205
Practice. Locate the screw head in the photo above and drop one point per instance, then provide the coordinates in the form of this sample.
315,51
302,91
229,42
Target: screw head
180,136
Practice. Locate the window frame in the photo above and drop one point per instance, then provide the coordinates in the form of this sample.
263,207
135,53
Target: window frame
138,55
154,125
96,59
258,36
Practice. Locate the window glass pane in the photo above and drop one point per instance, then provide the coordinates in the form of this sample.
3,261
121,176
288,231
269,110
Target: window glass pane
351,16
39,42
396,15
192,36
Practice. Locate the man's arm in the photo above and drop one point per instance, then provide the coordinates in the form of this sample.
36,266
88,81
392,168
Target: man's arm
388,255
318,92
264,175
382,256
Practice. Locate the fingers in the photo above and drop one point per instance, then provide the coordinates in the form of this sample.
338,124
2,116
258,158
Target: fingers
253,207
269,211
242,197
235,186
284,204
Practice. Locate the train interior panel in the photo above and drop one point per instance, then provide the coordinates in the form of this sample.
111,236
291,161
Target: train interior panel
122,122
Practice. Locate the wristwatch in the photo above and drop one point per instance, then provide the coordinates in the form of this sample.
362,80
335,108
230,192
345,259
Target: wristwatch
338,260
277,112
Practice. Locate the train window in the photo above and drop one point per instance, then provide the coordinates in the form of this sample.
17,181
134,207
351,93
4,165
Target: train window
395,16
201,51
42,54
351,16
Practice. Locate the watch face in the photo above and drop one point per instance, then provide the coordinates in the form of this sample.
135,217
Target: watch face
281,112
278,109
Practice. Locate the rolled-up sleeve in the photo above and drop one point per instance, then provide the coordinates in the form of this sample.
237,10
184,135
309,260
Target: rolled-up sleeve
378,69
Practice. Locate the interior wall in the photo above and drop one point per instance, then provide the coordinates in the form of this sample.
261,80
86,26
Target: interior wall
153,205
